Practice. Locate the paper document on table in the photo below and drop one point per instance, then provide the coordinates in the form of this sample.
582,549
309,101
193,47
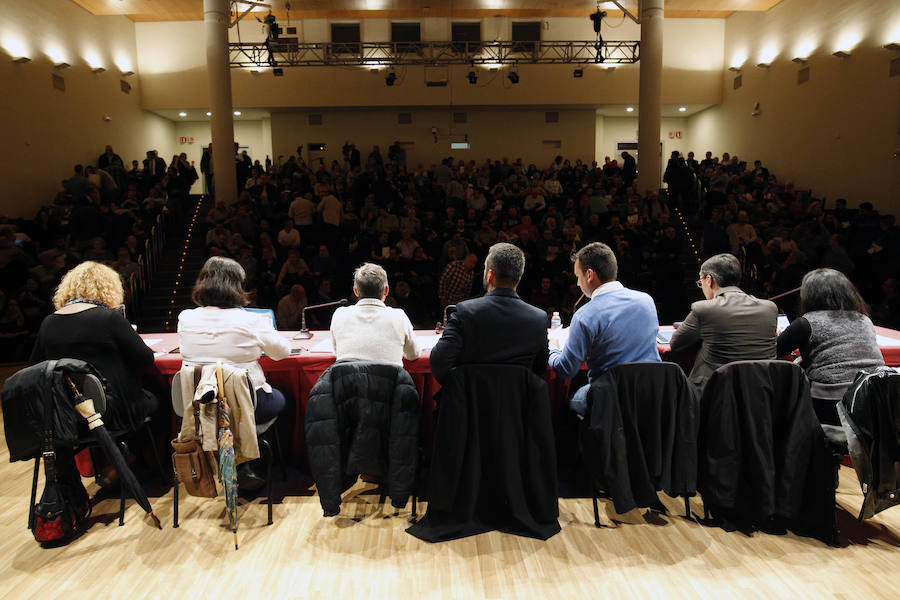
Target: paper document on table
887,342
323,347
561,334
151,341
427,342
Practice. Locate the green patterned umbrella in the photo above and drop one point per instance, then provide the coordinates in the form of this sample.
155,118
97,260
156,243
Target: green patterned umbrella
227,465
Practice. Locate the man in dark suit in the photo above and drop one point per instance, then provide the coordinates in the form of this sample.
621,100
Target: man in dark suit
629,169
730,324
499,327
154,168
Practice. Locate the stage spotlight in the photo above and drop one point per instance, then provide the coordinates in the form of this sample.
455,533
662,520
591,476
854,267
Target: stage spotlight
577,73
390,79
513,76
472,77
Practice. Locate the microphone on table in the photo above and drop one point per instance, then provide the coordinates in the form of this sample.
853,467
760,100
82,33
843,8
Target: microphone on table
304,333
441,324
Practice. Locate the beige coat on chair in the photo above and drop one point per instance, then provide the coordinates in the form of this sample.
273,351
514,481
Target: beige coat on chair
239,397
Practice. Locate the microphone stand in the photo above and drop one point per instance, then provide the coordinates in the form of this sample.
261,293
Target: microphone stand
788,293
441,324
304,333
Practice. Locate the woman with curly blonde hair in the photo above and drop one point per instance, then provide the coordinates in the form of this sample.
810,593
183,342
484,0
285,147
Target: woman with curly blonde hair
87,326
90,280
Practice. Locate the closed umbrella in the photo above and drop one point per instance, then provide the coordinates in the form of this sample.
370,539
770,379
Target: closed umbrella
85,407
227,464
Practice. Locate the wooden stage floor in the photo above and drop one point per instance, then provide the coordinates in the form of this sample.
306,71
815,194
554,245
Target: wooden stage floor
364,553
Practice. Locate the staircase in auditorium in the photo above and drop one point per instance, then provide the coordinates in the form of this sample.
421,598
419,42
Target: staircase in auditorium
179,263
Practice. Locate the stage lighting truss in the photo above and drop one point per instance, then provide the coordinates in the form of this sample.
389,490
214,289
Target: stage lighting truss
289,53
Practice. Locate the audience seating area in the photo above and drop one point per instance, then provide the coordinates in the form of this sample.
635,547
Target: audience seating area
111,216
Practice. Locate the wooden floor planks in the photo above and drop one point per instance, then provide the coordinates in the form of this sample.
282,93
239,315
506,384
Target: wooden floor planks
365,553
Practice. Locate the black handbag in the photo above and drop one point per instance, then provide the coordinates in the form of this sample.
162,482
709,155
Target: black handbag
64,505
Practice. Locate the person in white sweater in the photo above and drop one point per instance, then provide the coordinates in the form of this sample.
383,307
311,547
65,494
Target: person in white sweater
369,330
221,330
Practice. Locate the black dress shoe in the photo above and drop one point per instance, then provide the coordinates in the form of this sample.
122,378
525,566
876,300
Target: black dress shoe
248,479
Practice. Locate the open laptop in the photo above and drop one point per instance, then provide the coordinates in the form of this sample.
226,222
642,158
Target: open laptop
783,323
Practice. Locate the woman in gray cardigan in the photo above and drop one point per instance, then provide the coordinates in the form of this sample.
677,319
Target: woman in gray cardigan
835,337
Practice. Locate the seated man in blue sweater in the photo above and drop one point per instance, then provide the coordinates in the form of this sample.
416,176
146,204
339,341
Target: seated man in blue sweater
616,326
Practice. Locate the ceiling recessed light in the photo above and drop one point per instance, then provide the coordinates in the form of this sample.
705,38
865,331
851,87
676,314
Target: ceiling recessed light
208,114
237,113
182,114
629,109
682,108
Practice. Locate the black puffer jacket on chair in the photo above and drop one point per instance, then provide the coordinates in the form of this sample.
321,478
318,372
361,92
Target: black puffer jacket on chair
363,417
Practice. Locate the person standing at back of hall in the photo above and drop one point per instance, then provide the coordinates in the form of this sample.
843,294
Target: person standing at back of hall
730,324
617,325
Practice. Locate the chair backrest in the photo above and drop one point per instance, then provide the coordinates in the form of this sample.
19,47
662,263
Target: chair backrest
494,458
870,415
640,433
181,391
31,392
363,417
762,452
241,405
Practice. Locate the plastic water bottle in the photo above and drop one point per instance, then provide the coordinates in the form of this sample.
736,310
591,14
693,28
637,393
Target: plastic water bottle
555,321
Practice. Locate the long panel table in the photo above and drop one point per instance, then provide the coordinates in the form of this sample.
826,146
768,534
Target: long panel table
296,375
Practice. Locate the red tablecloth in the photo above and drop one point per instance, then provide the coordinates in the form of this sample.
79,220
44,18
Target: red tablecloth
296,375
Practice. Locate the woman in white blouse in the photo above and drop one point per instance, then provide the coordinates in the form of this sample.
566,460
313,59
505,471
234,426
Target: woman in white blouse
222,330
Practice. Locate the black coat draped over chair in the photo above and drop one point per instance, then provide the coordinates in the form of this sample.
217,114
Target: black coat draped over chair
640,434
494,459
764,462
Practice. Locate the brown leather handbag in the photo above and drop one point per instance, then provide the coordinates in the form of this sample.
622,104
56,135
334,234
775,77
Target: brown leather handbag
192,464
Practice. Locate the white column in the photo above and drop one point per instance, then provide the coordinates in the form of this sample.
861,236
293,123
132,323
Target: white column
216,17
649,95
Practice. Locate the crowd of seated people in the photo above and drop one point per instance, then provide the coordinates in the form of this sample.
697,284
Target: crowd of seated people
779,233
103,213
304,223
307,224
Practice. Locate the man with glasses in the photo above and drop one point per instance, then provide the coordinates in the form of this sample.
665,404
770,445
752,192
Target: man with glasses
729,324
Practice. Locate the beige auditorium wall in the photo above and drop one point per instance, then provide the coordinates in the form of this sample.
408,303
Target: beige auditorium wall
492,133
173,74
249,134
46,131
674,135
837,133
